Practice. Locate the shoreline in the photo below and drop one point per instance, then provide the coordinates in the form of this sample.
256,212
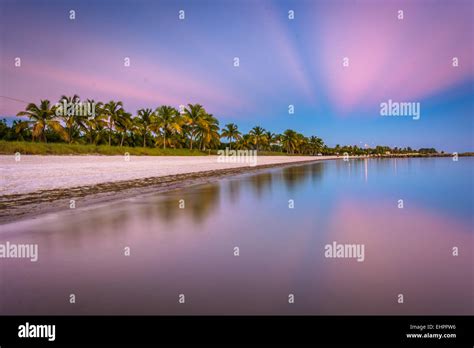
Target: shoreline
24,206
27,205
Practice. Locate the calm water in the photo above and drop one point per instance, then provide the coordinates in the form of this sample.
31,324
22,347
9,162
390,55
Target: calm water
190,251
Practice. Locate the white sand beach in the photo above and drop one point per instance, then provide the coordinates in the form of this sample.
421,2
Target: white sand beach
35,173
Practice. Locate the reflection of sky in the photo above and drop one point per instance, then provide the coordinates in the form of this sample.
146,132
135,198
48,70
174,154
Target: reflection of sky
441,185
190,250
282,62
407,252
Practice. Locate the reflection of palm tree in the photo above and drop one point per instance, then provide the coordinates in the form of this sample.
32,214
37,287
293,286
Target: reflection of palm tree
234,189
204,203
317,170
294,176
231,132
257,134
167,208
260,182
41,118
200,203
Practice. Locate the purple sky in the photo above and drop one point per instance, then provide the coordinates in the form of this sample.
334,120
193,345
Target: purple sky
282,62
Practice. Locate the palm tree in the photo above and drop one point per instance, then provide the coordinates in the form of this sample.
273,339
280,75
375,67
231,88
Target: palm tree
69,116
123,124
207,131
144,121
21,129
244,143
270,138
42,117
112,112
315,144
257,134
289,140
195,126
230,132
192,114
301,143
94,124
167,121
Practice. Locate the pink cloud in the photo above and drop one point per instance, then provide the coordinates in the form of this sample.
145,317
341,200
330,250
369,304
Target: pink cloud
143,84
407,59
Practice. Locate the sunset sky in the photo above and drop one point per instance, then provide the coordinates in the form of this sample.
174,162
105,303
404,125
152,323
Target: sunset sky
282,62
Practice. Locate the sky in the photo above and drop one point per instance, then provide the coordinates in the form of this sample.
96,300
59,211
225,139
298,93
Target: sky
282,62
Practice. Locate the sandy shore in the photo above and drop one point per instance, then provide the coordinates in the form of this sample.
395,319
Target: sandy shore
39,184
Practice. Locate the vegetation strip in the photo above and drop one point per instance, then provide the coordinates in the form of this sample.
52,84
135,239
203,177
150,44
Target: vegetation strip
107,128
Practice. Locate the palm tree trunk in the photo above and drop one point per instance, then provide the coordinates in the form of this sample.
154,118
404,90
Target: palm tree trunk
144,139
164,140
111,124
121,141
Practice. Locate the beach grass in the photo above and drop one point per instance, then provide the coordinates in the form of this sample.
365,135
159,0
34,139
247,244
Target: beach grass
40,148
37,148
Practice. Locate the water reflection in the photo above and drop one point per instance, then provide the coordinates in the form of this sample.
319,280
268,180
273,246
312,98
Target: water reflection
198,204
201,202
412,256
190,249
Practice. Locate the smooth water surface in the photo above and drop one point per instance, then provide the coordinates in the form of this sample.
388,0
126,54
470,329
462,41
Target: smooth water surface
190,251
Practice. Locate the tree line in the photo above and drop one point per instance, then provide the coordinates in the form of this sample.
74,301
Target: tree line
189,127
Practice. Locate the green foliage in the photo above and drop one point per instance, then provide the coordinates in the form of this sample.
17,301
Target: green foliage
111,130
35,148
